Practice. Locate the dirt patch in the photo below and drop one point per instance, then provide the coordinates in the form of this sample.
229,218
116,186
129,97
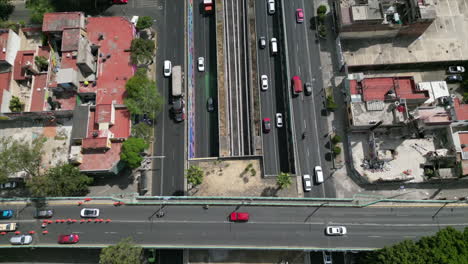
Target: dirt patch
238,178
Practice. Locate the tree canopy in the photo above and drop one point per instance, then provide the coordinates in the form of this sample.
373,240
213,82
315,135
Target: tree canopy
142,51
6,8
144,22
38,9
19,156
131,151
283,180
448,246
124,252
142,130
194,175
62,180
142,95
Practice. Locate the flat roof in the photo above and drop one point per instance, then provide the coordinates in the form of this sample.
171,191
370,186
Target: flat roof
445,40
59,21
362,116
378,88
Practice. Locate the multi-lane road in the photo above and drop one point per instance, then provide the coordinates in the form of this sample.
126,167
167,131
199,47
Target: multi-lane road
268,227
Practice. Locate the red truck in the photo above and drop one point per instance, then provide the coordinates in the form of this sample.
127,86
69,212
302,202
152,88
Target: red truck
208,6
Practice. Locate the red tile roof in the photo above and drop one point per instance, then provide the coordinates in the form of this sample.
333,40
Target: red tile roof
101,160
70,39
3,44
123,125
464,140
461,110
104,113
95,143
378,88
4,83
38,100
54,22
23,58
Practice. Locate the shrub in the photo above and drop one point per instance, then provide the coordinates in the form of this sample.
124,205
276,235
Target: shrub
322,10
331,105
322,30
16,105
336,150
194,175
336,139
144,22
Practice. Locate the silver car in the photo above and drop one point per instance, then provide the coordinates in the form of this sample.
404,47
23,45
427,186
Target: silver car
336,230
89,213
21,240
201,64
264,82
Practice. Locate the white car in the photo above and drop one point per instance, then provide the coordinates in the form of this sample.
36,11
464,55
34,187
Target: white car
21,240
279,120
336,230
89,213
201,64
307,181
318,174
264,80
456,69
8,185
271,7
167,68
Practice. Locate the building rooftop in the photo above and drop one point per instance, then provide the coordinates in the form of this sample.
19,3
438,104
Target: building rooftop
366,114
70,39
461,110
54,22
3,44
23,58
444,40
5,78
101,161
463,147
434,116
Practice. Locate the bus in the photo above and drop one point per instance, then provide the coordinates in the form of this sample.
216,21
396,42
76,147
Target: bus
176,81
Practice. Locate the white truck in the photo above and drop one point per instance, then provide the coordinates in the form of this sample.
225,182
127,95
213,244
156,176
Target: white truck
8,227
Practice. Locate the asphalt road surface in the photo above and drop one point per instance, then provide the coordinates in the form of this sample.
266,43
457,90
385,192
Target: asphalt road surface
206,123
272,100
168,175
268,227
304,61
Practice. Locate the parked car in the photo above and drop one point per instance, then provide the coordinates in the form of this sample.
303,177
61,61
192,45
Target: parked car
266,125
308,88
264,81
210,104
454,78
279,120
68,239
201,64
239,217
44,213
167,68
456,69
8,185
262,42
336,230
21,240
6,214
307,181
89,212
271,7
299,15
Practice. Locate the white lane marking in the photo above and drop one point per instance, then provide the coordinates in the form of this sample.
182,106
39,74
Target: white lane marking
305,124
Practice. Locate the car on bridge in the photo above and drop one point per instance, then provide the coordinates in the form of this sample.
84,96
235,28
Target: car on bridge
68,239
239,217
89,213
21,240
6,214
336,230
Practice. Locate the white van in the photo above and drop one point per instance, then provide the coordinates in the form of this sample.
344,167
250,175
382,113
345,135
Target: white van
134,20
318,174
271,7
274,46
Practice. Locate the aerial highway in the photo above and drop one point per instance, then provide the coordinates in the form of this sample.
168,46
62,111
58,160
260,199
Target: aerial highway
268,227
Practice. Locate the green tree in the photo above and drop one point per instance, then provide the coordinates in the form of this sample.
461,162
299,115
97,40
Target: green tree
194,175
336,139
446,246
142,130
142,95
62,180
18,156
144,22
125,252
322,30
336,150
38,9
41,62
321,10
465,97
16,105
6,8
142,51
283,180
331,105
131,152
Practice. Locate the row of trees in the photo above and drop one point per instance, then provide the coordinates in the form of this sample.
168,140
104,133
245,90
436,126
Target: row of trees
19,157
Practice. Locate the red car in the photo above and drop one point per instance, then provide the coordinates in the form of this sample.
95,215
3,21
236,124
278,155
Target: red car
119,1
239,217
68,239
266,125
299,15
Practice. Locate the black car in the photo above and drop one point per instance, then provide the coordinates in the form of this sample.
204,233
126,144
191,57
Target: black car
177,110
262,42
454,78
44,213
308,88
210,104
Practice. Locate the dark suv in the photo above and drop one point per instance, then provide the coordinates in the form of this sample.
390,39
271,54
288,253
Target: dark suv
177,110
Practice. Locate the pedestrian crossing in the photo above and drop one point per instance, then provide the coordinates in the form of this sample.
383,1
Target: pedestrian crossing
159,4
